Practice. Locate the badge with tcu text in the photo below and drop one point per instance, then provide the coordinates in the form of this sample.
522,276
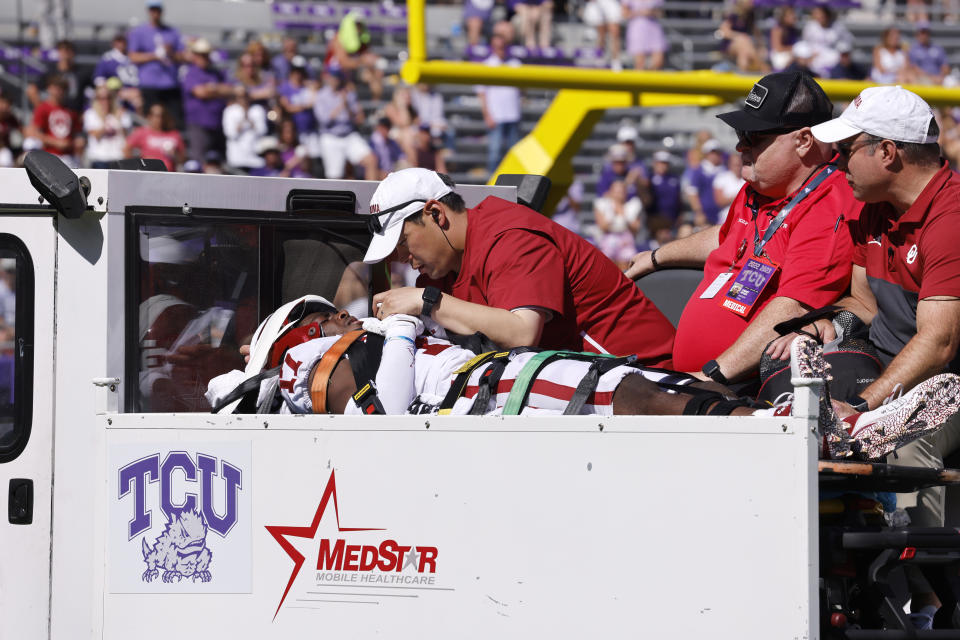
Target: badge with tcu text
755,275
180,517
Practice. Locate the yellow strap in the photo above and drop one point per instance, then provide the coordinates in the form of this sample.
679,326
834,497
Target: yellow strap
473,362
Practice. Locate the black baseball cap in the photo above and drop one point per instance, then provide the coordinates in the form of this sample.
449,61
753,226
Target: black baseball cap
779,101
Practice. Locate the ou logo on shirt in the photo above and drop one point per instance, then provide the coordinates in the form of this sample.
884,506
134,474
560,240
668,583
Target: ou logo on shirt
912,255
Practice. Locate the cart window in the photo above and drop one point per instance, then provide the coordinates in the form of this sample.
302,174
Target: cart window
198,304
200,289
16,346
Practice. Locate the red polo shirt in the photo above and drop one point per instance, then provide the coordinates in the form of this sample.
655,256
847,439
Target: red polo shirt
811,246
909,258
515,257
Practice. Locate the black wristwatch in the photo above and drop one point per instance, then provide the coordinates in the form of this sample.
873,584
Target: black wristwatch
859,404
712,371
431,296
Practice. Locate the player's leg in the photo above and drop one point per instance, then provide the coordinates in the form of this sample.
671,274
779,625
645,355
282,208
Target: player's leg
637,396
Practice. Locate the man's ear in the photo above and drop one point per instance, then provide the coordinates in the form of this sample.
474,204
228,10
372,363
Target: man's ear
804,141
887,151
436,210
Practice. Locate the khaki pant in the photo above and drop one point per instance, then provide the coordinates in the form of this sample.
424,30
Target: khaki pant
926,507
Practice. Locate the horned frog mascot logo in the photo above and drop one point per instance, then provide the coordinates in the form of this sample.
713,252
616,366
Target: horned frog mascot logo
180,551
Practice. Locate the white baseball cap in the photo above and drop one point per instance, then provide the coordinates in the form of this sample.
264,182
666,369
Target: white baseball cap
400,195
889,112
711,145
627,133
662,156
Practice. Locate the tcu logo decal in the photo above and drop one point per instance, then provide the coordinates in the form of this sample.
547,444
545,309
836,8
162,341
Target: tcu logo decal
204,474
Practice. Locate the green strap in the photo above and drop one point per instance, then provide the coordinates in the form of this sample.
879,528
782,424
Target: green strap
521,386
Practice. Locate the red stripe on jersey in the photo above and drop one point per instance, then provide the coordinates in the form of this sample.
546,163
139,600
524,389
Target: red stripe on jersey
433,349
549,389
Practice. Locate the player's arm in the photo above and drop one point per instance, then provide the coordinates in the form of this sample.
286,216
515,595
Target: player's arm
506,328
926,354
691,251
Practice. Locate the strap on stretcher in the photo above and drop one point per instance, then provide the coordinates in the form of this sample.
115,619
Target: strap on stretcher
463,376
517,399
588,384
321,375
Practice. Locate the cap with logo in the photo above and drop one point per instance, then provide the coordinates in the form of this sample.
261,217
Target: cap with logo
766,106
400,195
893,113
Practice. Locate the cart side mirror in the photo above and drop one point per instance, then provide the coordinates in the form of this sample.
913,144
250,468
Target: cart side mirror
532,191
58,185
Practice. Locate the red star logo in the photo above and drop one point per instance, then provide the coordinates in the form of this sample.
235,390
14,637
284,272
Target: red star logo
279,533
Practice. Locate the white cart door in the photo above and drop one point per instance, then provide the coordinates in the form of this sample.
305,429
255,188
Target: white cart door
27,247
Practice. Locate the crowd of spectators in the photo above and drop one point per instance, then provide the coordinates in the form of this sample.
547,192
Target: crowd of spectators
642,203
819,41
157,94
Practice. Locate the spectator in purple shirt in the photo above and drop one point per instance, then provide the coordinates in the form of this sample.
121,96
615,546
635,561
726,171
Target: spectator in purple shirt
157,49
116,64
697,184
847,68
283,61
618,167
665,186
205,94
929,59
297,98
273,164
385,148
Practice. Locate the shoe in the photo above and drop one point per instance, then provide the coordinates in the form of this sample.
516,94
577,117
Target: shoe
917,413
807,362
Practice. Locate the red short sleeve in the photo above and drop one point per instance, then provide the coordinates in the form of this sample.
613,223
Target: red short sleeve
135,139
40,116
524,269
941,260
820,255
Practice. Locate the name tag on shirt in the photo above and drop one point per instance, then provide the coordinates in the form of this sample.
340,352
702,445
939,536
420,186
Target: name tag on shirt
716,285
750,283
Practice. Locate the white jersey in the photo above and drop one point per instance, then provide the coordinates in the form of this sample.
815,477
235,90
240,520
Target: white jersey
435,363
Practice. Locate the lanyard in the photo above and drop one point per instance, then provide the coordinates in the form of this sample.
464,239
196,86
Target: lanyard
758,243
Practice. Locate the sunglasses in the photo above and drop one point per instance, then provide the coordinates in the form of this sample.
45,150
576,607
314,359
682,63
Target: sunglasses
756,138
375,225
847,149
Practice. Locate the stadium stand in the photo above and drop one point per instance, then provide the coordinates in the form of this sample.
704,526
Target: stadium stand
691,29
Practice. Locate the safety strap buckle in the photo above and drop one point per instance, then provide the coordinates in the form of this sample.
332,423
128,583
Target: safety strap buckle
366,398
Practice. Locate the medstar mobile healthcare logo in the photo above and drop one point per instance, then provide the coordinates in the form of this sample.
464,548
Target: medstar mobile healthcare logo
374,561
